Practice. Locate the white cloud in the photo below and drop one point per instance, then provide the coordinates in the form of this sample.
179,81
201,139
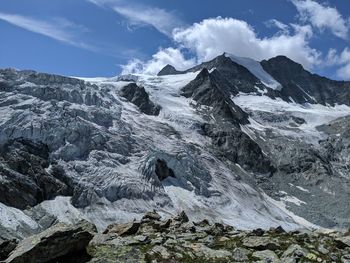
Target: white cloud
342,60
323,17
276,23
163,57
212,37
142,15
58,28
344,72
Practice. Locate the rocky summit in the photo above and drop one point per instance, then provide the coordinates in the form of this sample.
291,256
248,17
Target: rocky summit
242,144
153,239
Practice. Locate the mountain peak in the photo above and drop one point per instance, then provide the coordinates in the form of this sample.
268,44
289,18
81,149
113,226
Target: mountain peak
168,70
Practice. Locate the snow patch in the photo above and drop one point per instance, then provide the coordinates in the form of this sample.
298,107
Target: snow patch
257,70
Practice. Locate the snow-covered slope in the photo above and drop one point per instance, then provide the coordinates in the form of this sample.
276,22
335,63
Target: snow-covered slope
257,70
86,148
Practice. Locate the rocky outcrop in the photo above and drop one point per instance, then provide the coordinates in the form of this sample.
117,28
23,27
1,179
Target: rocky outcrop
180,240
168,70
238,147
235,74
25,180
6,247
59,243
138,96
303,86
212,90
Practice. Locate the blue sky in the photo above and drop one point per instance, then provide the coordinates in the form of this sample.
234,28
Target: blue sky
109,37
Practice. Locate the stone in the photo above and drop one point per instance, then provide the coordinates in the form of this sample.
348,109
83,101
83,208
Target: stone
277,230
182,217
294,253
154,216
240,254
57,241
258,232
321,248
6,247
126,229
343,242
266,256
260,243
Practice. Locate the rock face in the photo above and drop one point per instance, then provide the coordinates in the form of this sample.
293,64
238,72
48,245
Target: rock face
231,139
138,96
54,243
302,86
25,180
210,89
168,70
179,240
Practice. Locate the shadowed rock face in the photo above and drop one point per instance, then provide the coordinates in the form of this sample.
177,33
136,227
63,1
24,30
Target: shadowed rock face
163,171
237,147
236,75
25,180
168,70
303,86
138,96
211,89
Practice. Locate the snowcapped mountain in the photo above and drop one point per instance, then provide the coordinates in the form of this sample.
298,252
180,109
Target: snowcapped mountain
251,144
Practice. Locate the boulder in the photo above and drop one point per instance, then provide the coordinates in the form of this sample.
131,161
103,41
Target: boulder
56,242
6,247
260,243
266,256
154,216
182,217
126,229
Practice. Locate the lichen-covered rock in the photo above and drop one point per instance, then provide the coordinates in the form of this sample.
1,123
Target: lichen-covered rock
57,241
123,229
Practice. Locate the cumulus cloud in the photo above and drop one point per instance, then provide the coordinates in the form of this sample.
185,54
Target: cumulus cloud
214,36
59,29
341,59
142,15
163,57
323,17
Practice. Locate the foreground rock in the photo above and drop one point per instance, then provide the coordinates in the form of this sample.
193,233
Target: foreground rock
60,243
177,240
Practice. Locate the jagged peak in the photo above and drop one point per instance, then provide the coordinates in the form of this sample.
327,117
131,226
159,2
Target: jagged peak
168,70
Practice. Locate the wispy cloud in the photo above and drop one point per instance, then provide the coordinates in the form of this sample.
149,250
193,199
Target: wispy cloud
142,15
59,29
323,17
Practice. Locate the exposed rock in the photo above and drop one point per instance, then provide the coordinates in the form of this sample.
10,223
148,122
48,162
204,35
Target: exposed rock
266,256
123,229
302,86
343,242
238,147
162,170
168,70
151,216
260,243
210,89
138,96
56,242
182,217
25,180
6,247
